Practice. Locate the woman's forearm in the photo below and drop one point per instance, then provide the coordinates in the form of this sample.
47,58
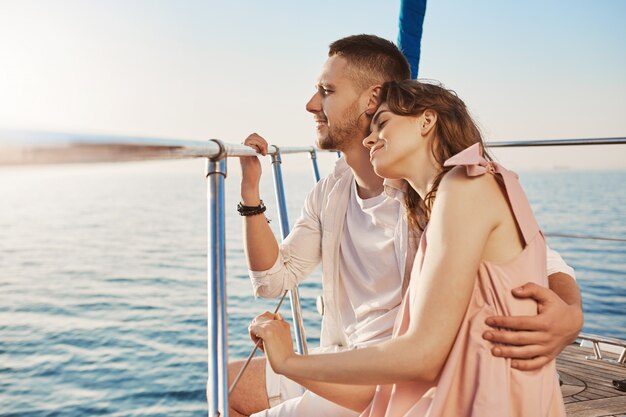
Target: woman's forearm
392,361
354,397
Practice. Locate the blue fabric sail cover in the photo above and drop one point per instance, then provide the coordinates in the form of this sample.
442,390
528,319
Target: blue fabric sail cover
410,34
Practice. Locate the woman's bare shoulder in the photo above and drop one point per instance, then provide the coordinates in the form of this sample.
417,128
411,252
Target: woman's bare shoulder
458,182
465,196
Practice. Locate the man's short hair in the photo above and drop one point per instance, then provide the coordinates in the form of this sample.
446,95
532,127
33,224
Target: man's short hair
371,59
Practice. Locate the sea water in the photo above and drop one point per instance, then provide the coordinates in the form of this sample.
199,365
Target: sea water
103,279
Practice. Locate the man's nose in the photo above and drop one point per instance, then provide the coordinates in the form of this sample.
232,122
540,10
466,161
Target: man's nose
314,104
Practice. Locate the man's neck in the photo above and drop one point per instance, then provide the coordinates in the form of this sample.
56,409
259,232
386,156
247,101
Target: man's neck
368,184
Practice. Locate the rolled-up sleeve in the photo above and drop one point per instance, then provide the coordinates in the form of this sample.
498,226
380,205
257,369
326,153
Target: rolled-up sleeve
262,283
557,264
298,255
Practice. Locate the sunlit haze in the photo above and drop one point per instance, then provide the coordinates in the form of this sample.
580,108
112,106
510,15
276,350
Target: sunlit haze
208,69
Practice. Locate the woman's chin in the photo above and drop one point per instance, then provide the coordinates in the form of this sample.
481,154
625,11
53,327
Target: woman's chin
378,170
384,171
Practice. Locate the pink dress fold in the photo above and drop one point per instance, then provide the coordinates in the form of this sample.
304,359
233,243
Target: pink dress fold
473,382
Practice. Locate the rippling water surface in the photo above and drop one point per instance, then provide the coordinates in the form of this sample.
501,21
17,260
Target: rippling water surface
103,282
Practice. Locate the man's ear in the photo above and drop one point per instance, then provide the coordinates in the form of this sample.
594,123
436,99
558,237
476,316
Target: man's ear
373,100
429,120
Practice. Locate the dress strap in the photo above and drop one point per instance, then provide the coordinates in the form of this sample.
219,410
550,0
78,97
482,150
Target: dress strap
475,164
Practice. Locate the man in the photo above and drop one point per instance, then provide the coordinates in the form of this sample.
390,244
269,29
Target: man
358,230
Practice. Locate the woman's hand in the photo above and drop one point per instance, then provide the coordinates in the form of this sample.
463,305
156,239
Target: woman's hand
276,336
261,318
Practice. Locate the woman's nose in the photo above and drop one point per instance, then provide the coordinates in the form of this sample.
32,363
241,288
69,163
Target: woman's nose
370,140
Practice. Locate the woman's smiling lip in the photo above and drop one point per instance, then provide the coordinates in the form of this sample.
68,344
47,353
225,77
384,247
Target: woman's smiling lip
375,149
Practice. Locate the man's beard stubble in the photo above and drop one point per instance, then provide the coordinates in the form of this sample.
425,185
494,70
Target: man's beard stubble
341,133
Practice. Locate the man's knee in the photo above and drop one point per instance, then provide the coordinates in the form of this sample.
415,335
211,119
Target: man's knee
250,394
233,370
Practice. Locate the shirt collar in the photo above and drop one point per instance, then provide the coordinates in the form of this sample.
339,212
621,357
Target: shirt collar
396,189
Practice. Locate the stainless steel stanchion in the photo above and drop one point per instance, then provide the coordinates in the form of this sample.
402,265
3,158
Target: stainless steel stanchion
217,388
316,171
284,229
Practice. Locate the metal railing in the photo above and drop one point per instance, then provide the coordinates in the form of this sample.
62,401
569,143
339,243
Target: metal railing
557,142
17,149
77,149
83,148
217,386
597,343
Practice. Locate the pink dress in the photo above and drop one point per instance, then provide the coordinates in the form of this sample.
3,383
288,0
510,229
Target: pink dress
472,381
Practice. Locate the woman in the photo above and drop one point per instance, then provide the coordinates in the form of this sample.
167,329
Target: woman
479,241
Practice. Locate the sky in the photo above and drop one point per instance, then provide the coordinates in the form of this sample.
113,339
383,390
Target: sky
211,69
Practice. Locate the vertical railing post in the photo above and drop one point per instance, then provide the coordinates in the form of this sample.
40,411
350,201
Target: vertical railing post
284,229
217,384
316,171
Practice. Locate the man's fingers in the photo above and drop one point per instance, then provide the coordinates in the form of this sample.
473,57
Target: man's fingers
524,358
256,147
534,323
257,142
530,364
514,338
532,290
517,352
256,136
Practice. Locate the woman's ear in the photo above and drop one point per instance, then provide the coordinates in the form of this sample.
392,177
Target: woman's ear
429,120
373,100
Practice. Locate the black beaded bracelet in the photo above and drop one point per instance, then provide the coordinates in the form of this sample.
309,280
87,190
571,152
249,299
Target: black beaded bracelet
251,210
